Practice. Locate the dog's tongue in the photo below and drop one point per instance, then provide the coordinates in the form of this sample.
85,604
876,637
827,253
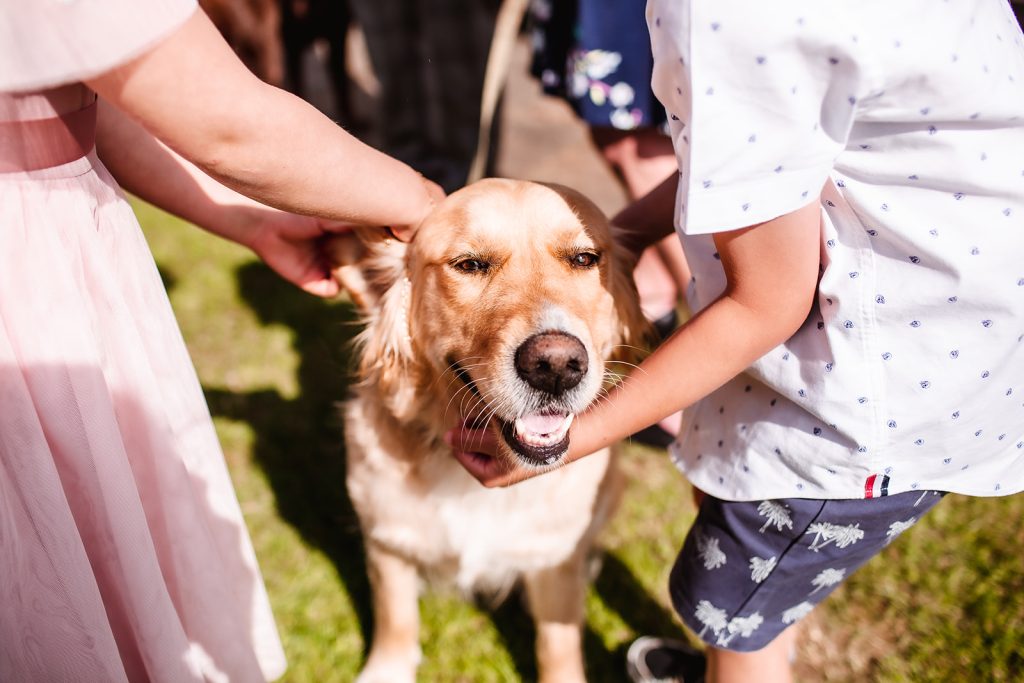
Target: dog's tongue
537,423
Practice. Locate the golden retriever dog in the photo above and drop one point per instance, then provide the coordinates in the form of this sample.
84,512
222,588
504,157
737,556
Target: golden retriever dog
507,309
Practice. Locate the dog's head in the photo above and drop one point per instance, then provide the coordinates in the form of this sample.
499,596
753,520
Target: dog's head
505,309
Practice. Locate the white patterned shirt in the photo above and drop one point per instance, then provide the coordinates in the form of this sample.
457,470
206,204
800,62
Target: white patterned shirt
909,371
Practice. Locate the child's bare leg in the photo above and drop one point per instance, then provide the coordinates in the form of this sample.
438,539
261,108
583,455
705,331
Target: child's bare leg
770,664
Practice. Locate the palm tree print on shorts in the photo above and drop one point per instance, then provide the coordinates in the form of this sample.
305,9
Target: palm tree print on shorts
826,533
827,578
707,548
796,612
712,617
742,626
897,528
760,568
777,514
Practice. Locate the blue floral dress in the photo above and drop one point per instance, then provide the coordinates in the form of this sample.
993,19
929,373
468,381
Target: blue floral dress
597,55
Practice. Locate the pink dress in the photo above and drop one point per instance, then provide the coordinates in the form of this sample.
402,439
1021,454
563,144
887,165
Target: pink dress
123,552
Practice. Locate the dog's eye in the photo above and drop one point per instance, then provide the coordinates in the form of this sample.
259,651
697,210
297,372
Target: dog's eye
584,259
472,265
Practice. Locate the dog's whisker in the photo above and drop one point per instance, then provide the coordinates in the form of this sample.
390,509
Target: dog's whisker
603,396
505,404
630,346
632,365
467,391
452,367
480,439
464,390
455,376
613,381
477,403
473,401
465,358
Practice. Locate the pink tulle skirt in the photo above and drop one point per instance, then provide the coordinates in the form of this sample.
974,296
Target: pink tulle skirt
123,552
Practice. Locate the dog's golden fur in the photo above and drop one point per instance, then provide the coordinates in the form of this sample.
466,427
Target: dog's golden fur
431,312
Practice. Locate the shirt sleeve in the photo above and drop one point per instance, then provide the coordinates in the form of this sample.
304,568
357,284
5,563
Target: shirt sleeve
761,99
45,43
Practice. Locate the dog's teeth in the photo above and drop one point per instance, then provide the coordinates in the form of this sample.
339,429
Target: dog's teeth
532,438
565,425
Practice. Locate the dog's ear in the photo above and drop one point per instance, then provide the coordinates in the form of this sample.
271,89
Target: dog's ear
366,263
372,267
635,334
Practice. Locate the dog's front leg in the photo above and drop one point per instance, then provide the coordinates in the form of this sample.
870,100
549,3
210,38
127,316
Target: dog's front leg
556,599
395,651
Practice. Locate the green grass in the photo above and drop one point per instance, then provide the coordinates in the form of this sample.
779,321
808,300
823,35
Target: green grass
944,603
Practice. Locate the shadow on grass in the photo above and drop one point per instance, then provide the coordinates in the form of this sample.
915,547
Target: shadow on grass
299,441
621,593
299,446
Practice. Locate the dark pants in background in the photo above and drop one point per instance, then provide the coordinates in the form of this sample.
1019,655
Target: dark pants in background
429,57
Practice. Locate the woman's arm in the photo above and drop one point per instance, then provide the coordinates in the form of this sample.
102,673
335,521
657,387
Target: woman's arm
192,93
151,171
772,272
148,169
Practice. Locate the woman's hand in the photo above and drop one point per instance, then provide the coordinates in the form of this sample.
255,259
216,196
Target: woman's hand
293,246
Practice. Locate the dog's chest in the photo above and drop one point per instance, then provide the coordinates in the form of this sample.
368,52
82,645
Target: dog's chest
448,524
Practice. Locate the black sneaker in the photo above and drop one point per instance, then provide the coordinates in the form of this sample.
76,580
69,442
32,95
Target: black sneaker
663,660
665,325
655,436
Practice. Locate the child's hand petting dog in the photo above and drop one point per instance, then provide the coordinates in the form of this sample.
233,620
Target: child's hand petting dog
477,450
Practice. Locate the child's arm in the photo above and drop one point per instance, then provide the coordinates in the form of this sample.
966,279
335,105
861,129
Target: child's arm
772,272
192,93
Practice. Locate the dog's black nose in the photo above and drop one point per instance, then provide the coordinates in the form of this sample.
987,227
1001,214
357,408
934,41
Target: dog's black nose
552,361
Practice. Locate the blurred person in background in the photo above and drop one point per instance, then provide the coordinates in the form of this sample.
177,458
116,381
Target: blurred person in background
429,57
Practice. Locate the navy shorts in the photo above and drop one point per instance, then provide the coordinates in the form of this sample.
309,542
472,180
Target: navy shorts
748,570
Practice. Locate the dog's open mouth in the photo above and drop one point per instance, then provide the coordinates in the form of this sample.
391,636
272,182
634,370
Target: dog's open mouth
538,438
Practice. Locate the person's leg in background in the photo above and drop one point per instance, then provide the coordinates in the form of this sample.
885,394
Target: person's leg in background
391,29
643,158
457,41
429,57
